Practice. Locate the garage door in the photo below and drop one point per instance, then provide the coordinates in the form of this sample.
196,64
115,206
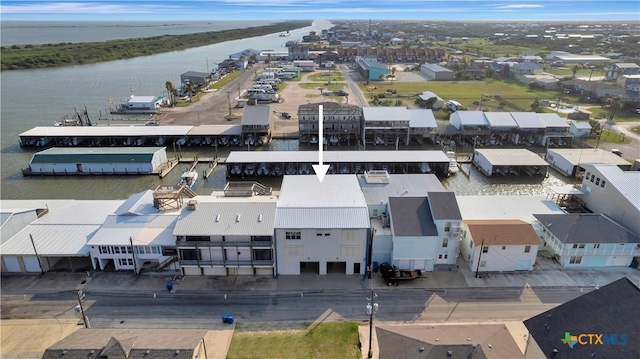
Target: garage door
12,264
523,264
619,261
31,264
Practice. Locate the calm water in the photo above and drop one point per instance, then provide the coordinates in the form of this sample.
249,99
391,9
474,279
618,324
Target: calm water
54,32
39,97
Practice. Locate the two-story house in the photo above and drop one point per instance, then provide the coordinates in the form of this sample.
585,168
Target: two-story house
341,122
256,124
620,69
587,240
386,125
499,245
321,228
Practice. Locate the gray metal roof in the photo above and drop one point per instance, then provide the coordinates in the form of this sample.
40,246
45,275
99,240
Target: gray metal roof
552,120
97,155
227,219
337,202
582,125
385,114
196,74
527,120
436,68
500,119
586,228
577,156
399,185
153,229
626,182
444,205
411,217
511,157
215,130
505,207
422,118
63,232
106,131
137,204
256,115
470,118
337,156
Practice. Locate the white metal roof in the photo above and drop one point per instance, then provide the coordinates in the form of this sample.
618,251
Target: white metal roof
552,120
143,99
471,118
63,232
577,156
436,68
227,219
399,185
154,229
505,207
500,119
215,130
385,114
256,115
336,156
626,182
137,204
511,157
527,120
322,218
419,118
582,125
106,131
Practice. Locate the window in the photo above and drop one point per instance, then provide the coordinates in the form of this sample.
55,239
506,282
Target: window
470,244
575,260
104,250
588,174
262,254
592,178
504,248
116,250
446,255
598,181
602,183
468,257
445,242
485,249
292,235
575,245
439,256
483,263
581,245
527,249
447,226
129,250
596,246
125,261
375,212
323,233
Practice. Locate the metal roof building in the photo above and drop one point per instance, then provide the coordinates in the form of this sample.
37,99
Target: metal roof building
420,118
336,156
505,207
106,131
215,130
506,161
500,120
468,119
377,187
552,120
256,115
527,120
566,160
384,114
144,230
227,219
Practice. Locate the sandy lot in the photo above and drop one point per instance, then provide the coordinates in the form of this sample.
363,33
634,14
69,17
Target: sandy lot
29,338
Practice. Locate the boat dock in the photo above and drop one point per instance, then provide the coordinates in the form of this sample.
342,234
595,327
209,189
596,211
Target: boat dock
257,163
513,162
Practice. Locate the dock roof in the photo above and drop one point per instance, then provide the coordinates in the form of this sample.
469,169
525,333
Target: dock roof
256,115
385,114
577,156
97,155
106,131
215,130
500,119
227,219
421,118
470,118
552,120
337,156
511,157
527,120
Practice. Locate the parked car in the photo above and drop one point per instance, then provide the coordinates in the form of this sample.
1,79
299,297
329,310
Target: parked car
341,93
286,115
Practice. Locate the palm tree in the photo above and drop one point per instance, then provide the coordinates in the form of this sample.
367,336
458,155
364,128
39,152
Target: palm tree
575,69
615,105
190,88
170,91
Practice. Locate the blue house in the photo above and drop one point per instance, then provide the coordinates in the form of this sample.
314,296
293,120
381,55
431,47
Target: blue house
371,69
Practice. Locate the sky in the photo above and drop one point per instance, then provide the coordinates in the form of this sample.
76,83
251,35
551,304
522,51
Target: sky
151,10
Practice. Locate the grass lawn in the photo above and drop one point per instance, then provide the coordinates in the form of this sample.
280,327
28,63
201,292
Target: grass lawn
622,116
317,85
327,340
568,72
609,137
335,76
225,80
488,48
635,130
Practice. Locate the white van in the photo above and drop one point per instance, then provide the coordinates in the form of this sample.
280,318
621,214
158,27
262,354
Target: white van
256,91
454,105
263,87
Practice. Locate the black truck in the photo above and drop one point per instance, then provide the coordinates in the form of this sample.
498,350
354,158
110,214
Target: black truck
393,276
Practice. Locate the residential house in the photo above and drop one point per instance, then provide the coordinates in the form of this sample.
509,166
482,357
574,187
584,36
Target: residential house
629,82
568,161
469,122
619,69
422,124
556,131
227,236
256,123
587,240
520,69
321,227
386,125
341,120
435,72
602,323
196,78
609,190
436,104
580,129
498,245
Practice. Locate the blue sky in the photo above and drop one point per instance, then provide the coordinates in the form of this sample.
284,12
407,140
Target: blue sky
320,9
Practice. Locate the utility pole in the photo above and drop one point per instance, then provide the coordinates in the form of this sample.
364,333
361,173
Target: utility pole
372,308
479,257
36,252
85,320
133,254
229,101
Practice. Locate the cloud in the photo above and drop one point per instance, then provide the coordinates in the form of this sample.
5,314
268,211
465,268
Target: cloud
81,8
519,6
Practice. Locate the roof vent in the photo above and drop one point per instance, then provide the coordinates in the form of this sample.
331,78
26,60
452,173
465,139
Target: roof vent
237,218
192,205
147,352
260,218
217,218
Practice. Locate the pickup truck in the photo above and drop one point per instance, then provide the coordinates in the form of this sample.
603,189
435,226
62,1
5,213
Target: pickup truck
393,276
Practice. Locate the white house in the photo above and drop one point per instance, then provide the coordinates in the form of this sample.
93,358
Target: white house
227,237
424,231
580,129
469,120
498,245
143,102
567,160
321,227
588,240
614,192
135,237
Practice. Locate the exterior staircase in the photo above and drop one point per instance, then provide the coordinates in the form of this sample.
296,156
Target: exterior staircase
188,191
167,262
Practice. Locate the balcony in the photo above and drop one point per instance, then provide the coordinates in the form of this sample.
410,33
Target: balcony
225,244
227,263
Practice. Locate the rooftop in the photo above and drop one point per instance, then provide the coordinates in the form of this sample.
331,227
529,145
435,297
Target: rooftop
399,185
96,155
444,205
256,115
625,182
502,232
436,68
469,118
372,114
227,218
411,217
419,118
500,119
577,156
586,228
143,230
527,120
552,120
337,156
511,157
505,207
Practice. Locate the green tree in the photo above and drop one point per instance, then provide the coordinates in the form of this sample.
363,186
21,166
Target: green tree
191,89
535,106
575,69
616,104
170,91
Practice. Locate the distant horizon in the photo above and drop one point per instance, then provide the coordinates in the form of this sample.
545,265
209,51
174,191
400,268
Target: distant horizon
279,10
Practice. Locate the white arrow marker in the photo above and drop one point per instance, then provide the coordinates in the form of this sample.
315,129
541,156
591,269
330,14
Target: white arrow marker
320,169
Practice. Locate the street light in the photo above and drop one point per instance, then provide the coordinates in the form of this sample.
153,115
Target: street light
372,309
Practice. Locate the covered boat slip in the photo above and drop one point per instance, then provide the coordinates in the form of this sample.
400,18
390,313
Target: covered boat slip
513,162
567,160
97,161
46,136
342,162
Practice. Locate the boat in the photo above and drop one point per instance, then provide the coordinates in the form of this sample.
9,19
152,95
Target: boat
345,170
379,140
276,171
224,140
313,140
304,169
235,141
334,140
290,170
250,140
188,179
453,163
285,34
249,170
236,169
424,168
263,170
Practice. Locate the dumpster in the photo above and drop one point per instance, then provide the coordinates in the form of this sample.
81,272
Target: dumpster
227,318
169,285
375,267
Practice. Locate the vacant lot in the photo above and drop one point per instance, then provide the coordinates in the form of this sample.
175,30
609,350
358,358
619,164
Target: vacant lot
326,340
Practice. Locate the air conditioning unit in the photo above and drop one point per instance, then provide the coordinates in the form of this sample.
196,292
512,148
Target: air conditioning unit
192,204
384,218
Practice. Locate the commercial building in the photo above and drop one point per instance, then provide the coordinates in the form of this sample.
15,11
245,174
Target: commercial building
436,72
370,69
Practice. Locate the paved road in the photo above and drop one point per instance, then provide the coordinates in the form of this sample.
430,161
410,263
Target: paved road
187,310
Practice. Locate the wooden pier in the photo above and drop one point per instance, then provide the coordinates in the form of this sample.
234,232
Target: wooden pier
166,167
212,166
